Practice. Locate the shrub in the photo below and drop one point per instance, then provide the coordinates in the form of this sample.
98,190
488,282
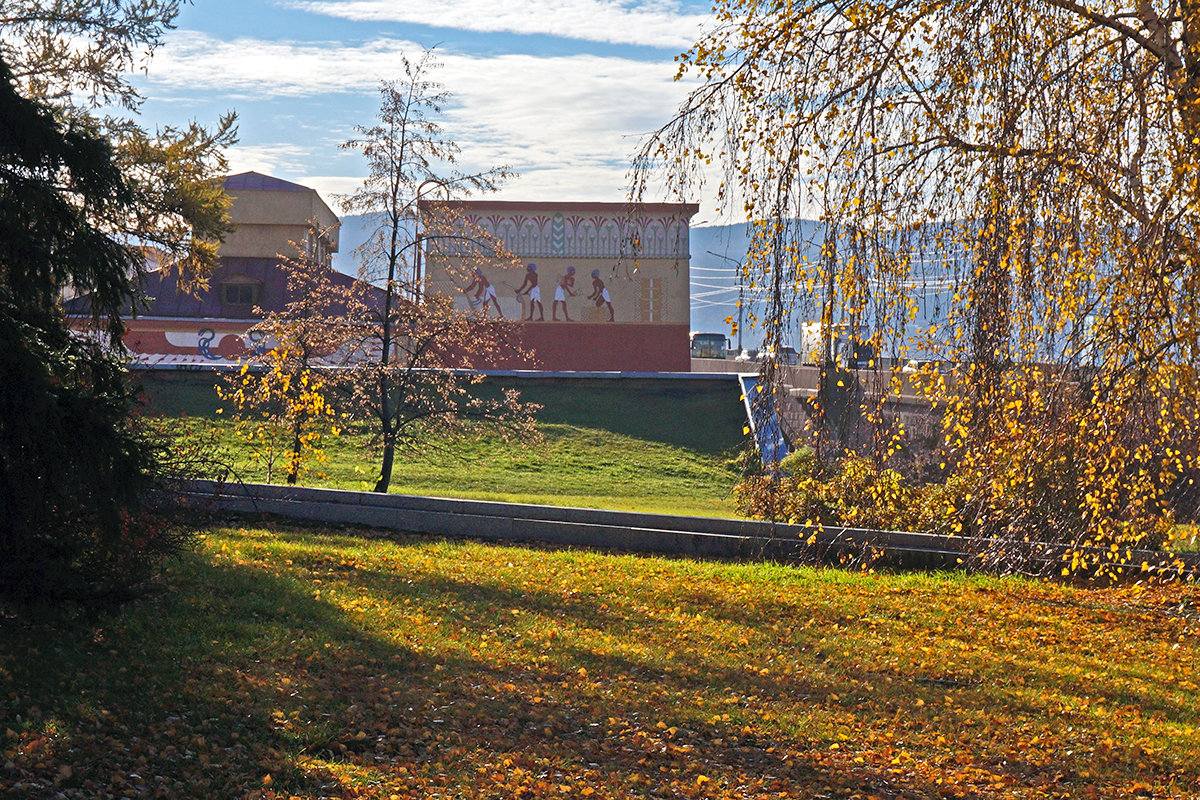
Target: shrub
854,492
75,470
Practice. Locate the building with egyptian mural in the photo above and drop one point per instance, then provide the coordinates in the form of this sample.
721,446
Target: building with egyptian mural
612,279
270,217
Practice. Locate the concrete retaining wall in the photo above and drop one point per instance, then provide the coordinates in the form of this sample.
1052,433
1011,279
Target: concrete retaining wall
698,537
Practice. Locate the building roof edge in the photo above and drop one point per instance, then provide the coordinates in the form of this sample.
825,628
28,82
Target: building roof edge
575,206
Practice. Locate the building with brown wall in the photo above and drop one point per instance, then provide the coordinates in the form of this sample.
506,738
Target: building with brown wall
639,254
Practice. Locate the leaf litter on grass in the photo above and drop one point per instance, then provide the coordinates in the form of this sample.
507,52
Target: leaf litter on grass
283,662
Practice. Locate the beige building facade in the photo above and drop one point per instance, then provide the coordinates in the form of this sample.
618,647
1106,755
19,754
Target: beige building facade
612,279
269,214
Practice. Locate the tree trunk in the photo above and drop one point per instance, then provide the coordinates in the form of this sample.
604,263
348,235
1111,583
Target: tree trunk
385,469
294,461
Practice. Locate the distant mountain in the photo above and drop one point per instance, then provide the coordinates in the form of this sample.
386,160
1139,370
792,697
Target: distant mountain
729,241
354,231
717,252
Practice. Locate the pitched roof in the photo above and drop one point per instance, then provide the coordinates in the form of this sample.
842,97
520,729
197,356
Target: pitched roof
163,298
256,181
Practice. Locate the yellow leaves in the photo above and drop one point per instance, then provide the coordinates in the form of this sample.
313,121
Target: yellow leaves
1015,663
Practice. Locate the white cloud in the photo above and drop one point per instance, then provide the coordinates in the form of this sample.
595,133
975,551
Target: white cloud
569,124
655,24
330,186
585,111
248,68
526,110
270,159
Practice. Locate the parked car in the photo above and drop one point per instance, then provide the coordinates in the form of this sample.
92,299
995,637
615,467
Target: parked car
918,364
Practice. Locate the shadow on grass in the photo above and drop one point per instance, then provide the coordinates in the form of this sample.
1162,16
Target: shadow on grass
269,673
1047,670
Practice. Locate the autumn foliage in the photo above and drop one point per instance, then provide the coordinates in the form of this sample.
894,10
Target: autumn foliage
1011,189
288,664
281,395
854,493
414,356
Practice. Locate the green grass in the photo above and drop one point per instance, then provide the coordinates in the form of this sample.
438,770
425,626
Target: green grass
1186,539
180,392
283,662
571,466
705,416
651,445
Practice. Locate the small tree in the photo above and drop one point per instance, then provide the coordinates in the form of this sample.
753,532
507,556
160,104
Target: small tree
282,410
282,403
415,355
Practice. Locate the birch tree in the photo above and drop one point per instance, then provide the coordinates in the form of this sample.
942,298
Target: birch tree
1038,165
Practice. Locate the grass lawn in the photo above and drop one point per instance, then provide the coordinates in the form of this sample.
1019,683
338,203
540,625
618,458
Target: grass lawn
1186,539
656,445
702,415
571,466
280,663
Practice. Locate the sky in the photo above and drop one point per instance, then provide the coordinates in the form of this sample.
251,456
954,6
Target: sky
560,90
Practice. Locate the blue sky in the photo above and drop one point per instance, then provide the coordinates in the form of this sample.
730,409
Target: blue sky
561,90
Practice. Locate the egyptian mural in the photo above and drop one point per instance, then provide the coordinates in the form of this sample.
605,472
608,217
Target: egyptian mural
576,262
650,231
624,271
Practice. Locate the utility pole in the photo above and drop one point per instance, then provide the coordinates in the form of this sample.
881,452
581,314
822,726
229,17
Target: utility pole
741,294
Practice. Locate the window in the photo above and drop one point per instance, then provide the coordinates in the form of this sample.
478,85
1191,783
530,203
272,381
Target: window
651,300
241,294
